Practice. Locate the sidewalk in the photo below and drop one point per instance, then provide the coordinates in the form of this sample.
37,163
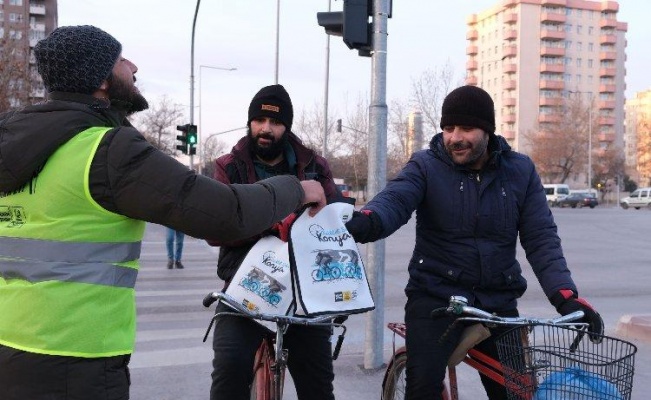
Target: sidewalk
635,327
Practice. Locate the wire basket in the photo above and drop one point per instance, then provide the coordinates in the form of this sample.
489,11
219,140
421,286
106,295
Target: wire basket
551,362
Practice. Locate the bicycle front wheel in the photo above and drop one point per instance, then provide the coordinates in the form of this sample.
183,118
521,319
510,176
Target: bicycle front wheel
393,386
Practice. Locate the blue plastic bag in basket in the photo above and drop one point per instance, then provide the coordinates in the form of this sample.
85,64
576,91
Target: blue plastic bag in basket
576,384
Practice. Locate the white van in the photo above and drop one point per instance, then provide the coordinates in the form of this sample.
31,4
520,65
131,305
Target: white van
556,192
641,197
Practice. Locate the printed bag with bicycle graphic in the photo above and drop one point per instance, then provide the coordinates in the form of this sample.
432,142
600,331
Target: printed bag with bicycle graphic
329,276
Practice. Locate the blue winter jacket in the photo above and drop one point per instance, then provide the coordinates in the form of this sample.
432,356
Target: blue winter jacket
467,224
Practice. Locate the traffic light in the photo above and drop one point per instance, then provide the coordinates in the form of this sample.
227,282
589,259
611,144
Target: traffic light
352,24
339,125
192,139
183,138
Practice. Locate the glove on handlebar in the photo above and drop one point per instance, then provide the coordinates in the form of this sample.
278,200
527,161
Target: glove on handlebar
365,226
282,228
566,301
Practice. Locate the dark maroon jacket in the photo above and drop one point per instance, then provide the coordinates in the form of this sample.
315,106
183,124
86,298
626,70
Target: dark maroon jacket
237,167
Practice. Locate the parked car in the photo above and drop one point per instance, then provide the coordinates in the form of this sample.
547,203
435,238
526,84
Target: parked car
641,197
579,200
556,192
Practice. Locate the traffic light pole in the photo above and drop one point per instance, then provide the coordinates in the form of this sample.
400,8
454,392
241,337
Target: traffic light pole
194,25
377,172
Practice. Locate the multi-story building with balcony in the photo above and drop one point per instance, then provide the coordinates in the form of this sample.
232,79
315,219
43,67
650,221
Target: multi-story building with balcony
22,24
530,55
637,137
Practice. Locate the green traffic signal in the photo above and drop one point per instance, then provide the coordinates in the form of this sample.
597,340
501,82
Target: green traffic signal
192,135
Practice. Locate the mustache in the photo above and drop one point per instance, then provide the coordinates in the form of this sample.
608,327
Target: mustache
459,146
266,135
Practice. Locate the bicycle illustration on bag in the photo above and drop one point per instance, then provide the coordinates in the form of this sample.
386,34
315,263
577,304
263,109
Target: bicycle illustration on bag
336,264
265,286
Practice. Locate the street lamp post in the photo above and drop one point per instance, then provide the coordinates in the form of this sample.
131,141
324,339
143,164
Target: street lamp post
200,130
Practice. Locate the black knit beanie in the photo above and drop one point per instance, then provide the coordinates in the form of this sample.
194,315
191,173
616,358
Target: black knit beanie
274,102
76,59
469,106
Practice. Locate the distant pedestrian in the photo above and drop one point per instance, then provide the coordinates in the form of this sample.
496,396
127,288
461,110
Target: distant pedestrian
174,253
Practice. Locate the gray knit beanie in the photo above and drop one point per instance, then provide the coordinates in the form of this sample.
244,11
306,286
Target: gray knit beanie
76,59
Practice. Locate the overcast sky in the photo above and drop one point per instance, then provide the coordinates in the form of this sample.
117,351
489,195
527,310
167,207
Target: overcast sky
423,34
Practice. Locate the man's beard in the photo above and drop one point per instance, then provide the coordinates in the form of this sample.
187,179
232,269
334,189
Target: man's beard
476,151
125,96
267,153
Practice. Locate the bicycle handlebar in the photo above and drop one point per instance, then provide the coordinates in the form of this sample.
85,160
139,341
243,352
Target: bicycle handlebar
281,319
459,306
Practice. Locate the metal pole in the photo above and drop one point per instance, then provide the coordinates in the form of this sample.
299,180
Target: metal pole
590,146
377,171
194,25
277,39
325,96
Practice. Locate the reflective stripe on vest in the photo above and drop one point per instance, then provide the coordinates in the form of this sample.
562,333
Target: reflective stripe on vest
25,260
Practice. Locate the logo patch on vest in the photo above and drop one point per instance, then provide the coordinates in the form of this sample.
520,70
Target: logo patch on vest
269,107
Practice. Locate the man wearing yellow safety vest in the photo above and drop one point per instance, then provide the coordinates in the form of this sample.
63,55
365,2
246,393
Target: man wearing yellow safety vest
77,182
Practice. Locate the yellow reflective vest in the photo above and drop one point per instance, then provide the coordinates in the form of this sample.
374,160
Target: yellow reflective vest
67,266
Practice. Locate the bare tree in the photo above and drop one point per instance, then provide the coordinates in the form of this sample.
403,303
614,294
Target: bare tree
309,127
158,124
559,147
16,79
609,168
210,151
643,146
429,90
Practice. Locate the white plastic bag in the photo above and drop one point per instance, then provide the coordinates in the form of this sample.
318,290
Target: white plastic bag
329,276
263,282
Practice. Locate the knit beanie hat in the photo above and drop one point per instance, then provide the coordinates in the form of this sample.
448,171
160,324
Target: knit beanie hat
469,106
274,102
76,59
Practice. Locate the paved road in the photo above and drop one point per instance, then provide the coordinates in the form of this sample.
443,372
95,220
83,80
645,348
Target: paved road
607,250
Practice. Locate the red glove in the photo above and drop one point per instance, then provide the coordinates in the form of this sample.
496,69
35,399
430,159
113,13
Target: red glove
567,301
282,228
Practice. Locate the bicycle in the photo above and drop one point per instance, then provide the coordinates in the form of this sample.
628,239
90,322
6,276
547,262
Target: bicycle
271,359
533,355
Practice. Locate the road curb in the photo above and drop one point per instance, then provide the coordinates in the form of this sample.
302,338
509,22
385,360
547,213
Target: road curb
635,327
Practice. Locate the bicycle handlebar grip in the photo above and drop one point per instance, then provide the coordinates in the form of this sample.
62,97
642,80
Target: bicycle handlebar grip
437,312
208,300
340,341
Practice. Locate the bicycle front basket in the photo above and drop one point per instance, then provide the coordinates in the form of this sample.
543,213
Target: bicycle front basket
550,362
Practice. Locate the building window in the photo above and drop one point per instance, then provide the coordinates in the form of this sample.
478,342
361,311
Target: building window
579,46
590,46
14,17
568,28
568,44
590,30
578,78
578,62
590,63
15,2
579,28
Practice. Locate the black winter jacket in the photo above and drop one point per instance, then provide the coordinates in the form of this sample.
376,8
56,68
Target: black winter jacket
130,177
468,224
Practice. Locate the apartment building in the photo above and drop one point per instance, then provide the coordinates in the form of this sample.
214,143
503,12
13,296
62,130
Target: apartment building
530,55
637,137
22,24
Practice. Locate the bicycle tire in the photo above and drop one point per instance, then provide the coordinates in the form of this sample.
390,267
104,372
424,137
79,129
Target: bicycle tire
393,384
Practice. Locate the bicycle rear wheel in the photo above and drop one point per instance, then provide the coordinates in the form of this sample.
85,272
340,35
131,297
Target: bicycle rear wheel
393,385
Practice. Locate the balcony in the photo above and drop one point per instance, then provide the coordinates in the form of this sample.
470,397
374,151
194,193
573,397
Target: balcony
511,34
37,9
552,68
607,137
509,3
549,118
607,71
509,85
471,50
550,34
472,34
471,80
508,118
509,102
511,18
508,135
553,17
471,19
607,55
606,121
608,23
552,85
38,27
562,3
510,51
611,6
510,68
550,101
552,51
607,88
607,39
471,65
606,104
